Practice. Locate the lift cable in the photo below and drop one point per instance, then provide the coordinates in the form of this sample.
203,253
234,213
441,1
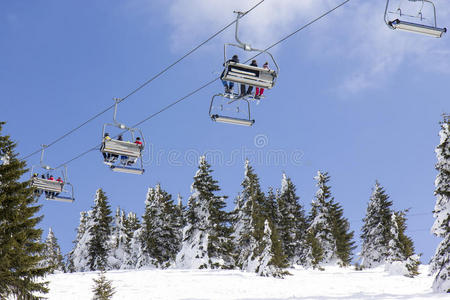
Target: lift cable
143,84
209,83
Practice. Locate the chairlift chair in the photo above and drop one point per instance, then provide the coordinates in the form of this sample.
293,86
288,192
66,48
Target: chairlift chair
246,74
430,30
242,74
114,149
52,189
215,116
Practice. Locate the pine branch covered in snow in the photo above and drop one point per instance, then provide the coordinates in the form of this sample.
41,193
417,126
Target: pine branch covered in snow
440,263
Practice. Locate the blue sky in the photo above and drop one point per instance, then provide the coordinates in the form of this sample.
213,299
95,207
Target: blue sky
353,98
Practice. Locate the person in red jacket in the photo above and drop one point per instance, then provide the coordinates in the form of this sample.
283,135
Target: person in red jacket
138,142
59,180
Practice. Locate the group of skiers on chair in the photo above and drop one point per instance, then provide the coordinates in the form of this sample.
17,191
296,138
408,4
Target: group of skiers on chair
48,194
244,92
110,158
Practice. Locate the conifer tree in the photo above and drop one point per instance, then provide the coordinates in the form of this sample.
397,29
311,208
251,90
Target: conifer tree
159,237
118,240
270,207
52,253
207,239
268,256
20,245
292,223
328,234
440,263
248,218
78,257
131,229
342,234
100,231
376,230
103,289
412,260
250,233
384,234
394,245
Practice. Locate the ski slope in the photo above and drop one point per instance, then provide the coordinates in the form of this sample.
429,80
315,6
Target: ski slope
333,283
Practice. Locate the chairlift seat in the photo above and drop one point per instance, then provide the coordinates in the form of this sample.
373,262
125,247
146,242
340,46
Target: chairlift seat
60,198
230,120
47,185
129,170
117,147
250,75
418,28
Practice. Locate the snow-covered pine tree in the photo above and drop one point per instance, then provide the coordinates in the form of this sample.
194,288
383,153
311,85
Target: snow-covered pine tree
78,257
103,289
118,240
131,245
20,245
268,258
328,234
292,223
440,263
248,218
376,230
159,236
394,245
252,240
52,253
207,241
100,232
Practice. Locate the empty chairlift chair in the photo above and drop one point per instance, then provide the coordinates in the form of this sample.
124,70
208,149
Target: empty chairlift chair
416,27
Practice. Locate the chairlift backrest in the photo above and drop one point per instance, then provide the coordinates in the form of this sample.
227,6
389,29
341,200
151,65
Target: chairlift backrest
121,148
251,75
47,185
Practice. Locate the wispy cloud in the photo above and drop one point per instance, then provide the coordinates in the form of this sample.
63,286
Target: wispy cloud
358,36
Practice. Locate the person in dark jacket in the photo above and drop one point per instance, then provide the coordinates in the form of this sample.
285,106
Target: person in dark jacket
250,88
228,84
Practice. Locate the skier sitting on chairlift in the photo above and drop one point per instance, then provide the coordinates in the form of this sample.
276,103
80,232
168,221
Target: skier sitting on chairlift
250,88
229,85
260,91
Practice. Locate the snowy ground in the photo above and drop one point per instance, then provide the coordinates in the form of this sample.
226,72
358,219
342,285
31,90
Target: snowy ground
334,283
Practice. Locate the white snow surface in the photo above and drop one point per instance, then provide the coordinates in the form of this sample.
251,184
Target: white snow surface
333,283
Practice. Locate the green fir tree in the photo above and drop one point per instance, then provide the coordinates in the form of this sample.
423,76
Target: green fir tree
102,289
100,232
20,240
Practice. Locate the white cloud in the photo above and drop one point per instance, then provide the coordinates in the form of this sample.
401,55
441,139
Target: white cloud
355,33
